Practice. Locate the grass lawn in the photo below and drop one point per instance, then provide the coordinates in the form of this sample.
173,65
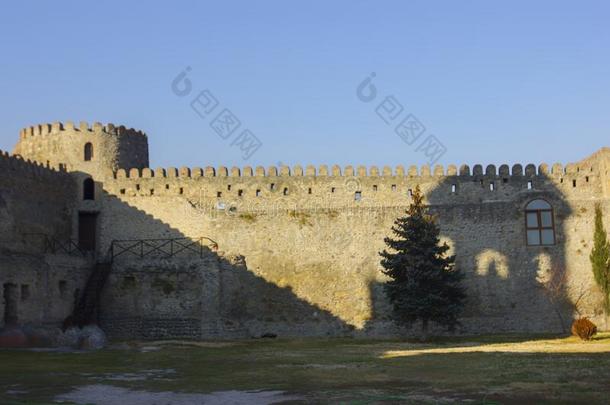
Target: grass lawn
479,370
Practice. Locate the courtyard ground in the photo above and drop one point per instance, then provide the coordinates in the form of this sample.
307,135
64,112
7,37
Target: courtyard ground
480,370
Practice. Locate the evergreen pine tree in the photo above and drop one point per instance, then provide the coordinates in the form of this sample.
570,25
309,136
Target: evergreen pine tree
600,258
424,285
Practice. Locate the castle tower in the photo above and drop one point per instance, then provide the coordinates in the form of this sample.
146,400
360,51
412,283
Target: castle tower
94,150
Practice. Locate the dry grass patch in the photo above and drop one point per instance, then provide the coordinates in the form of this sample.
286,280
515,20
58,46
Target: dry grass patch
600,344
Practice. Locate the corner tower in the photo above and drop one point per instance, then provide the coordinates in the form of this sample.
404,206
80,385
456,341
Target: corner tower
95,150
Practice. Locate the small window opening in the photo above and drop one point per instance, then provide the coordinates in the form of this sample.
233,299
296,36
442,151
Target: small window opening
229,187
152,191
492,186
587,179
129,282
63,288
393,187
167,186
25,292
358,195
453,188
240,193
529,185
88,189
181,191
122,191
375,187
505,180
258,193
410,192
88,151
561,180
573,183
285,190
309,190
272,186
138,187
219,194
332,189
482,184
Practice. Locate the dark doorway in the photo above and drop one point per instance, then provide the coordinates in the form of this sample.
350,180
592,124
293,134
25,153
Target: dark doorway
10,303
88,189
87,224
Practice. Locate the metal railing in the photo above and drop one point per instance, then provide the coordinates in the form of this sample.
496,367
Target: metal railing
50,244
161,247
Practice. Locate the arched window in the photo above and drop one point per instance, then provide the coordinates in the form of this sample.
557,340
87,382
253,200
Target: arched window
88,189
539,223
88,151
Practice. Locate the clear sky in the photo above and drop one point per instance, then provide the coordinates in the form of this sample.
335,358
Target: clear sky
494,82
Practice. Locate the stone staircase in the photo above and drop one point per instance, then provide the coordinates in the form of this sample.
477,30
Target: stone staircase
87,307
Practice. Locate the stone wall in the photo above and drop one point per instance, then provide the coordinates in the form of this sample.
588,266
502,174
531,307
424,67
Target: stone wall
45,285
33,200
316,238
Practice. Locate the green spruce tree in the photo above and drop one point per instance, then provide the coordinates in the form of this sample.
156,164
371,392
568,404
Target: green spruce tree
600,258
424,284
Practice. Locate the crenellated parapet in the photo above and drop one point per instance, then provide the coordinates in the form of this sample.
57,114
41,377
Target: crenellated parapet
491,171
84,127
335,186
16,166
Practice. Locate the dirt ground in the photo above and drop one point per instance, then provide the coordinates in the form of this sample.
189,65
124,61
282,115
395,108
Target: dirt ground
481,370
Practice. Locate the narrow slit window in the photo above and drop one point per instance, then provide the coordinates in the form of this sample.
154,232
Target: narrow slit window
492,186
88,152
258,193
272,186
375,187
453,188
228,187
285,190
358,196
240,193
393,187
410,192
218,194
529,185
332,189
309,190
573,183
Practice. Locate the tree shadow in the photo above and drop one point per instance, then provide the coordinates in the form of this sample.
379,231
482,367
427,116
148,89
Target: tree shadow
482,217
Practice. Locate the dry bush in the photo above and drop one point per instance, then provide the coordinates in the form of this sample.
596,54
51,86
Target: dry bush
584,328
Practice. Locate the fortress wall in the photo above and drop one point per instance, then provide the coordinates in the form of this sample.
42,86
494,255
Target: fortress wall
33,199
322,247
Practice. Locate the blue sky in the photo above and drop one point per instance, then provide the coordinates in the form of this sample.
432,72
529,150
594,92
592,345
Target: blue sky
494,82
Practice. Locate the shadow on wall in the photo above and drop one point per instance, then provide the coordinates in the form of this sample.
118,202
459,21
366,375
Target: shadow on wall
196,295
482,216
483,219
